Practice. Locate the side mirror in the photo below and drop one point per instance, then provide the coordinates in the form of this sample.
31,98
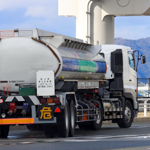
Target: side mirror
143,59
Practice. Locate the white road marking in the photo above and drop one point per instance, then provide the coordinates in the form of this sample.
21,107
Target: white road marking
140,126
93,138
25,142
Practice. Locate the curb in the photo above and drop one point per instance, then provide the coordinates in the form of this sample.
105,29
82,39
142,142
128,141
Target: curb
141,119
137,119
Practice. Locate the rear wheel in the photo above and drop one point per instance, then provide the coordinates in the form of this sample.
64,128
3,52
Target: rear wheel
34,127
71,119
31,127
63,129
127,119
85,126
48,131
4,130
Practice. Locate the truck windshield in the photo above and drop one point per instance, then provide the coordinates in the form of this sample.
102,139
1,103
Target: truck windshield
131,60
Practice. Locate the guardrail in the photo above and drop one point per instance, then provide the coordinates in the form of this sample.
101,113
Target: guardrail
145,105
143,88
143,92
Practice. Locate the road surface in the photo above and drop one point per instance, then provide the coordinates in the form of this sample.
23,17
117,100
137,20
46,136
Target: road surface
109,137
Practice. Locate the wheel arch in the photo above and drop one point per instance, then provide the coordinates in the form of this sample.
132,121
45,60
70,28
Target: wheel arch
132,99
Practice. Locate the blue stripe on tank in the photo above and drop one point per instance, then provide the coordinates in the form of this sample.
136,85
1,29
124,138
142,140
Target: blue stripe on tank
100,67
73,65
70,64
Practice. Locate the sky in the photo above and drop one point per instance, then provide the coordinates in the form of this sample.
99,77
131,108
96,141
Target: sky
43,14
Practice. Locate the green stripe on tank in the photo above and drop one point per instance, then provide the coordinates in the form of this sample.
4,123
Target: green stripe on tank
87,66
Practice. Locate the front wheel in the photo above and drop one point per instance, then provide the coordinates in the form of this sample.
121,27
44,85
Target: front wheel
127,119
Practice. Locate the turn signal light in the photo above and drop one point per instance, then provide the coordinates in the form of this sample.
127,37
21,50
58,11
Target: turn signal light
50,100
136,91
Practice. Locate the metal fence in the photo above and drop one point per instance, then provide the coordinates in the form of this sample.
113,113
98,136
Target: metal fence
144,105
143,87
144,94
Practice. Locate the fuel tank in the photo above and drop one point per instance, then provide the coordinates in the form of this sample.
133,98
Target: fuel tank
22,57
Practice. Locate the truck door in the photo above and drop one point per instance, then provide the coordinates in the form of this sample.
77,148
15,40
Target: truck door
130,77
132,71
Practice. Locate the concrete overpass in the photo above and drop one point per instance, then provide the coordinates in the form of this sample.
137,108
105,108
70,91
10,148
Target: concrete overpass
95,18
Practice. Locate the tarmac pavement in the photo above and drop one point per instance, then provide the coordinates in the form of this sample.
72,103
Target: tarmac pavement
139,118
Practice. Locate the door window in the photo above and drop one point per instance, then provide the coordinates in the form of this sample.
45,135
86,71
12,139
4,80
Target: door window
131,60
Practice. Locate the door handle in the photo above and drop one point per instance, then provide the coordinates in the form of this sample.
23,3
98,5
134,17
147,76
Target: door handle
130,80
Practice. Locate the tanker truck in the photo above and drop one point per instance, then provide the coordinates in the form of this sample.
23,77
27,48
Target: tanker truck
54,83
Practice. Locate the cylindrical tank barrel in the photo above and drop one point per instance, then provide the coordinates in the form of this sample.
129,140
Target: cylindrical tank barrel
21,58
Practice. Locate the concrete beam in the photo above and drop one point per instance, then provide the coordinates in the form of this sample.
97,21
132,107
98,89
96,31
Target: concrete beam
95,18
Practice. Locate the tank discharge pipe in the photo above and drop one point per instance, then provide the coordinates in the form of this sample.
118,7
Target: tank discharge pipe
51,51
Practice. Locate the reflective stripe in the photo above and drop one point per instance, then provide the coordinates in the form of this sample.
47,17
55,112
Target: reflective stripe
20,98
17,121
9,99
27,99
35,100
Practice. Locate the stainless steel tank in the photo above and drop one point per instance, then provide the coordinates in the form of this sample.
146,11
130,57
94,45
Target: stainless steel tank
22,57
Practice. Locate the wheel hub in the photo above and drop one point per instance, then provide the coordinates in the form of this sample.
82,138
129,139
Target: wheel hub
127,114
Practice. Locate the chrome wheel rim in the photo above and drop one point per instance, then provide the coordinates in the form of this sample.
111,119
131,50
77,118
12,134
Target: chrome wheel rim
127,114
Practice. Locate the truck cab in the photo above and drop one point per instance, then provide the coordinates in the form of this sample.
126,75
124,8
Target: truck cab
122,68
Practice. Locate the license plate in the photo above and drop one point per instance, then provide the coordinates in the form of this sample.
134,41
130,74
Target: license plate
88,84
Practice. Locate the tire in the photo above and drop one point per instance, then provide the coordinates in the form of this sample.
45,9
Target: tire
4,131
63,130
31,127
34,127
71,119
127,119
48,131
96,125
85,126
